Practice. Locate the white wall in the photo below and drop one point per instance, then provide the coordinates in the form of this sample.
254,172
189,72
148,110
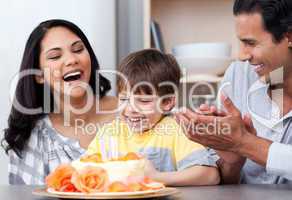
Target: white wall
18,18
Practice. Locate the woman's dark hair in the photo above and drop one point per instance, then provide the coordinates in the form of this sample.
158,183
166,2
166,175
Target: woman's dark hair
29,93
276,14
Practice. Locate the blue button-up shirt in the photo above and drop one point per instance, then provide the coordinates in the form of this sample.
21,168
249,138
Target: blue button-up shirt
249,94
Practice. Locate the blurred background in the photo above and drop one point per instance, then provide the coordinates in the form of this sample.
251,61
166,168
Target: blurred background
117,27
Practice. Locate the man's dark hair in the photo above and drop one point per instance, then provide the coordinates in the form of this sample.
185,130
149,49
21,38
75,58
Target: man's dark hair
276,14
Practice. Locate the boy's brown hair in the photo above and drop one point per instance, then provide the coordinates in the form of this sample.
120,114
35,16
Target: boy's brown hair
151,66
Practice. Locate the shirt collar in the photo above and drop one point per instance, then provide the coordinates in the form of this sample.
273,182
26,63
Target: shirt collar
276,120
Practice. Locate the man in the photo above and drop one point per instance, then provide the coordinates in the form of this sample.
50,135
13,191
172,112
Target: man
257,101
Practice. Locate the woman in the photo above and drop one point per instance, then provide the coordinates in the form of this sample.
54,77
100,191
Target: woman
37,142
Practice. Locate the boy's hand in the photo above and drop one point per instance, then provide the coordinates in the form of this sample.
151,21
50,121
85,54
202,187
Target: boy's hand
150,170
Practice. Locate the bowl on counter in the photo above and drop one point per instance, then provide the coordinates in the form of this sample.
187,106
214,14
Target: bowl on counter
212,66
217,49
203,58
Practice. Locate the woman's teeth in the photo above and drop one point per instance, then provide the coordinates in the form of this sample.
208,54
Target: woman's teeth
72,76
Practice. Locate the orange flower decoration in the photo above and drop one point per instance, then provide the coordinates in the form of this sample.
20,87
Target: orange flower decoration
92,158
130,156
118,186
90,179
60,179
138,183
134,187
152,185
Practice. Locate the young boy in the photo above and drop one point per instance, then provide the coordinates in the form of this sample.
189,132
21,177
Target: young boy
147,94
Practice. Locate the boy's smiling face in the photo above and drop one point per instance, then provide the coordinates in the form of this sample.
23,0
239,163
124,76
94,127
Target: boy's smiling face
142,111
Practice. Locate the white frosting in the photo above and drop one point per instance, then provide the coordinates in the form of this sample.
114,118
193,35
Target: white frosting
117,170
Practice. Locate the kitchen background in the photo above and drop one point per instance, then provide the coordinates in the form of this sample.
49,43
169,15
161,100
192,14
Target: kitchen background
118,27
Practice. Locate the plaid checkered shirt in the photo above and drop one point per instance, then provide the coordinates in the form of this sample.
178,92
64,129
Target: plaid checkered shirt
44,151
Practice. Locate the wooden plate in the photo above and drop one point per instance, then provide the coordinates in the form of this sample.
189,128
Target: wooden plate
121,195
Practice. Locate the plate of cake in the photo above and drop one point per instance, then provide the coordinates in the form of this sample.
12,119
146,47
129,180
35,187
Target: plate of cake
91,177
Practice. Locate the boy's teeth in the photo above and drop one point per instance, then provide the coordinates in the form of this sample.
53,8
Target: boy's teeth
134,119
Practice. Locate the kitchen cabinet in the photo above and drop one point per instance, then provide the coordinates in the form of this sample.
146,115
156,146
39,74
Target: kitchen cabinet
180,22
187,21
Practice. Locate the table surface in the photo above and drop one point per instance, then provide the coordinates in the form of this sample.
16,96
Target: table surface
226,192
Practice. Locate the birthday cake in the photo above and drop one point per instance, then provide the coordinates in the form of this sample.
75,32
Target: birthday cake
91,174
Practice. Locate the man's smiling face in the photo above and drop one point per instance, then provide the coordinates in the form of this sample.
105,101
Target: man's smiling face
258,46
